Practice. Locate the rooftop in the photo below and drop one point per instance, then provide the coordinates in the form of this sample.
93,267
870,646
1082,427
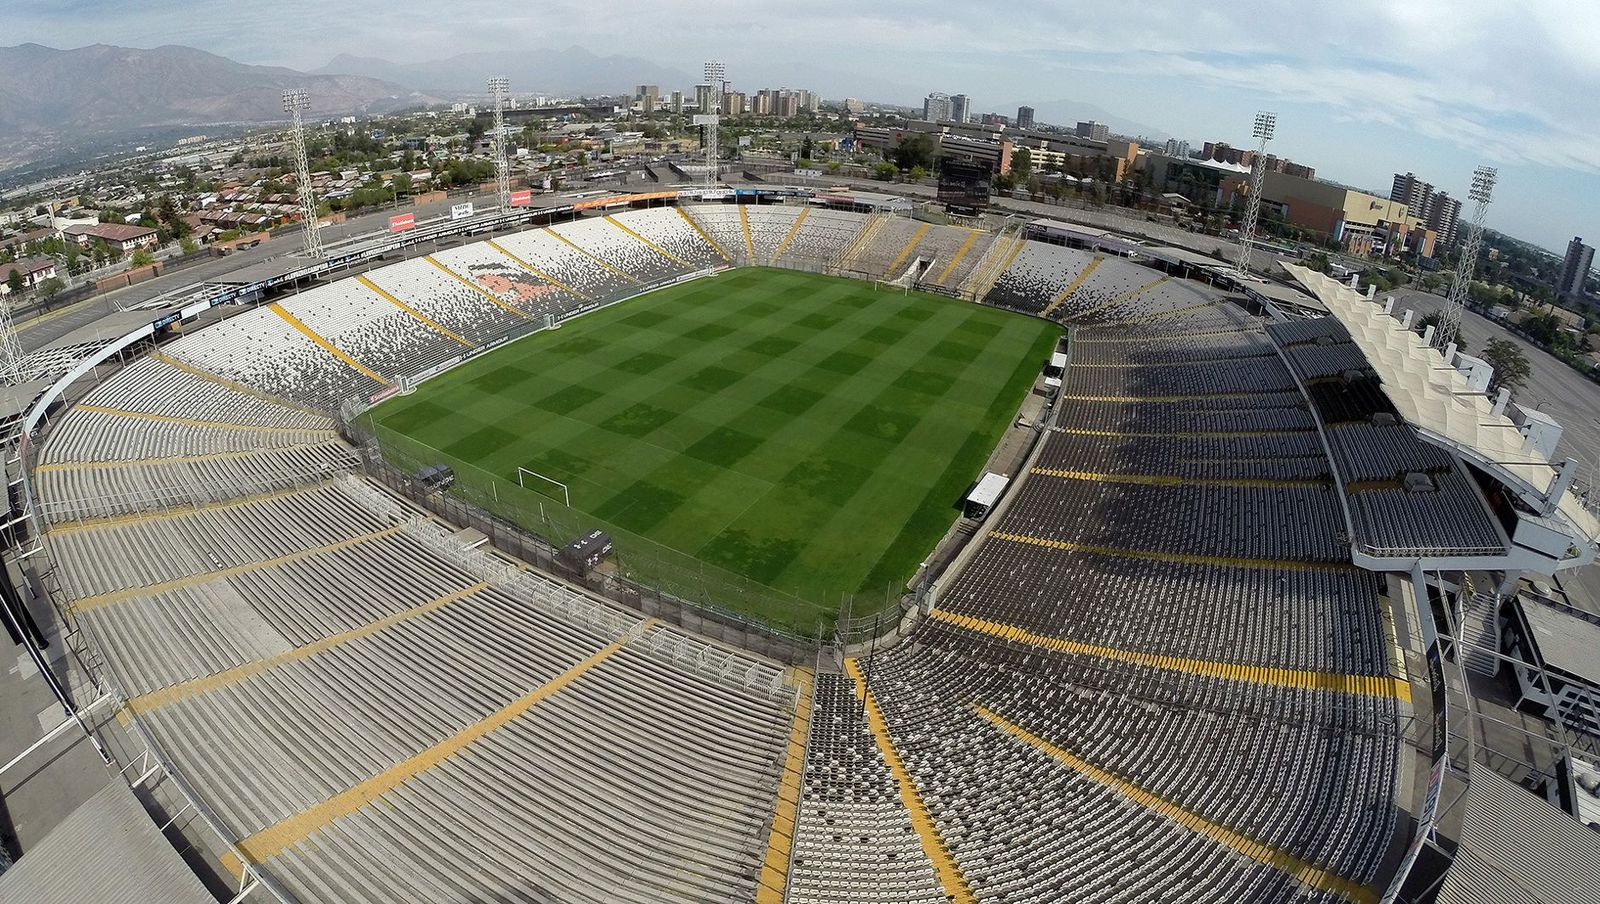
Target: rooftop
1517,849
1566,641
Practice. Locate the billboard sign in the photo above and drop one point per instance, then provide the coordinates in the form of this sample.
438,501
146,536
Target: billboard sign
965,185
461,211
402,222
521,198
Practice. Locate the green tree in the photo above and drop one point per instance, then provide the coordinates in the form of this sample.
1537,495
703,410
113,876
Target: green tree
1509,363
807,147
917,174
188,245
914,150
834,167
141,258
51,287
14,282
1021,164
885,171
402,184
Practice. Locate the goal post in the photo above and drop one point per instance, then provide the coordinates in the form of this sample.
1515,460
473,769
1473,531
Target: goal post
523,473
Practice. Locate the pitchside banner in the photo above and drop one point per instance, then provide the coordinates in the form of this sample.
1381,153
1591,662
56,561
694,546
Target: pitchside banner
461,211
402,222
521,198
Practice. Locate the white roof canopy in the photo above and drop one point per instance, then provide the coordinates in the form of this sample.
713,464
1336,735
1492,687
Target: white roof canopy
1436,398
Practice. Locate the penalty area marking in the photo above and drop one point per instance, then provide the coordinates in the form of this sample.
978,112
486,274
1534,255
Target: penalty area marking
566,495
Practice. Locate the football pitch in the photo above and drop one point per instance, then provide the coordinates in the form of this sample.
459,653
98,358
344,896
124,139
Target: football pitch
808,433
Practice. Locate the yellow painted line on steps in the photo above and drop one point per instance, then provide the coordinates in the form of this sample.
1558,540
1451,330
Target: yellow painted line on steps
592,256
773,879
1184,362
789,236
1307,874
1163,315
703,234
1121,299
647,243
972,236
1010,257
954,884
191,421
179,692
172,459
906,251
273,839
1191,397
1167,480
1152,555
425,320
251,391
749,243
327,346
68,527
1072,287
1337,682
1187,434
536,271
488,296
117,596
858,245
1167,337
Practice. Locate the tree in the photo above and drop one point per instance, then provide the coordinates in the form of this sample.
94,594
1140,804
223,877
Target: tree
14,282
51,287
1509,363
917,174
141,258
1021,164
807,147
1433,319
914,150
885,171
188,245
1319,262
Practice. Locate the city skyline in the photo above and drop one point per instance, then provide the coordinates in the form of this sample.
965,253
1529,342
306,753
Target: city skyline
1412,96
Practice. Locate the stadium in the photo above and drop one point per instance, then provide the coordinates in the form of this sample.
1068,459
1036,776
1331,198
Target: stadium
328,540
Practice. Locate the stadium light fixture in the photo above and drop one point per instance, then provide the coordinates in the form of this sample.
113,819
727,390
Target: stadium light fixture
294,101
1265,125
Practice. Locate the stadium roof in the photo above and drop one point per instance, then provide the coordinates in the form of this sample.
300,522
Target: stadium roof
1435,397
108,851
1566,641
1517,849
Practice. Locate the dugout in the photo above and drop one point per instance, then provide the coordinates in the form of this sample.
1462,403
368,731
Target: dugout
436,478
588,551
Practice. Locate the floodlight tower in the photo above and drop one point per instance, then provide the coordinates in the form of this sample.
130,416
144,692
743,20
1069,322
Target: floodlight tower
716,75
1266,123
1483,180
293,103
12,358
499,89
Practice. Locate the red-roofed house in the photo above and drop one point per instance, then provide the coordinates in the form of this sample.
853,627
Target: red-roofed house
119,236
34,270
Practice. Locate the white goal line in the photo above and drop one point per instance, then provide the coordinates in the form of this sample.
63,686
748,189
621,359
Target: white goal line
566,495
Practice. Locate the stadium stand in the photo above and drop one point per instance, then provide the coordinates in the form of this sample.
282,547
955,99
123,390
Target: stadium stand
1405,496
1158,677
611,243
671,231
365,644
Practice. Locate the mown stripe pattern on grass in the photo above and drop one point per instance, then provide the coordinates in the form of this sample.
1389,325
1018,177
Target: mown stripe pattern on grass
807,432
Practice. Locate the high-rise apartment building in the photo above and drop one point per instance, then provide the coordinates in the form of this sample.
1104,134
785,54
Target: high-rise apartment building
960,108
854,105
1433,209
1574,270
1024,117
1097,131
936,107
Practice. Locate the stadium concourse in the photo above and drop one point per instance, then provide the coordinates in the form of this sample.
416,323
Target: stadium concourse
1155,676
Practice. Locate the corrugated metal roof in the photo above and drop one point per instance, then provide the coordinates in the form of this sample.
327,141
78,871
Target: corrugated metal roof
109,852
1566,641
1517,849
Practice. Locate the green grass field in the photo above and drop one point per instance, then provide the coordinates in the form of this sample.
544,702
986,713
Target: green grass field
805,432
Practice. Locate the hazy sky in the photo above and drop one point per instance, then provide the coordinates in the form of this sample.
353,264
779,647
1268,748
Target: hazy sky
1362,88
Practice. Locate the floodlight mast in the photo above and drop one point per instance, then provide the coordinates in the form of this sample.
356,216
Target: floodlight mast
499,89
293,103
1482,191
1266,124
716,74
13,361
